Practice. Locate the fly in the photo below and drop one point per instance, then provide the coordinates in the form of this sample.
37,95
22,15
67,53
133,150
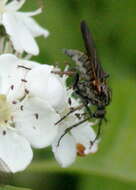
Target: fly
90,80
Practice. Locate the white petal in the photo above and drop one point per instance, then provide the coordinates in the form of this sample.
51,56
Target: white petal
45,85
16,85
17,78
11,75
34,28
65,153
21,37
84,134
15,5
8,63
36,121
28,64
15,151
32,13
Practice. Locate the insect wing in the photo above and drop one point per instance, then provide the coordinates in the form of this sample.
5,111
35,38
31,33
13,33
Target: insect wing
88,41
91,51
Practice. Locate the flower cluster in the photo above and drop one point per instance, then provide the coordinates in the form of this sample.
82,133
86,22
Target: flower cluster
33,99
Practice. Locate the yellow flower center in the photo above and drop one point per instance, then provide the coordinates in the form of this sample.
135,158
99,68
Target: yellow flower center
5,111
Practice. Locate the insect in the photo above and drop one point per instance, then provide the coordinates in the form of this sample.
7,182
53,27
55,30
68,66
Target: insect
90,79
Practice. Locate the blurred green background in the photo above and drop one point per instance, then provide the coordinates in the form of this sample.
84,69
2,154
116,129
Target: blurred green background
113,24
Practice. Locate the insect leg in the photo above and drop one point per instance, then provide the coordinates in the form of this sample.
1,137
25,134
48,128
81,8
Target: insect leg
69,73
70,128
70,112
84,99
89,111
98,133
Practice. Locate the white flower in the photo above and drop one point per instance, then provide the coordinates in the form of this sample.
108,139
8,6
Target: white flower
25,120
78,140
21,28
46,86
